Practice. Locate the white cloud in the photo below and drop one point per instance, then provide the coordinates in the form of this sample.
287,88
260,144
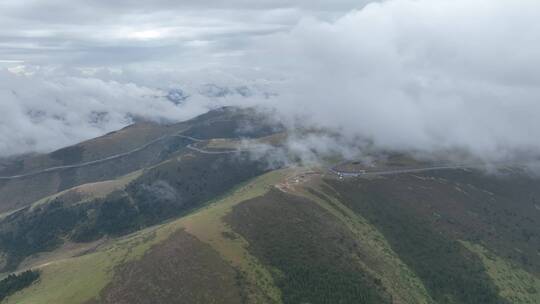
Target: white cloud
48,108
423,74
407,74
147,34
80,32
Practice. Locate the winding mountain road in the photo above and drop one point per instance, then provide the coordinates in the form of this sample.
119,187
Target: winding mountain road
191,147
232,151
203,151
98,161
333,170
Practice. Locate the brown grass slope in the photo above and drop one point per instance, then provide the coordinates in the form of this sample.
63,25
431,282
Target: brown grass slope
151,143
181,269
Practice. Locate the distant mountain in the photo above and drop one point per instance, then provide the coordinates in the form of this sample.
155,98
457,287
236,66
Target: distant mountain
217,91
177,96
192,213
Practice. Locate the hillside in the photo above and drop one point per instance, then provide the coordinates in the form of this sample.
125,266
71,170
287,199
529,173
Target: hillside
28,179
276,240
209,223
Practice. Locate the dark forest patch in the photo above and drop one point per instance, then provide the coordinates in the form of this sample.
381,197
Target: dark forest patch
164,192
450,272
311,250
15,282
69,155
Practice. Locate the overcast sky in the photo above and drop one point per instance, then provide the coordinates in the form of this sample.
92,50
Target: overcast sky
407,74
114,33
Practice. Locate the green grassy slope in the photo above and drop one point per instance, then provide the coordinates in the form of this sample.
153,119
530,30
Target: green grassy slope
515,284
86,278
425,217
281,239
313,256
156,194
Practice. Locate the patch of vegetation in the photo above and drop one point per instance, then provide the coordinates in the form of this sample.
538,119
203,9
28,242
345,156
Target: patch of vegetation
79,279
82,278
233,123
11,167
69,155
163,192
16,282
24,234
504,213
516,284
181,269
376,256
115,216
449,271
209,226
313,255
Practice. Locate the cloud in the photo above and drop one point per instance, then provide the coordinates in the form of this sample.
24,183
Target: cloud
45,110
80,32
418,75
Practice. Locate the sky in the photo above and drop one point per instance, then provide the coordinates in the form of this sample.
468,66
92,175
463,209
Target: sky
419,75
118,33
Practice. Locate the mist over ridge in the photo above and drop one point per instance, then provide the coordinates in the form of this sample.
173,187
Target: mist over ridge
403,75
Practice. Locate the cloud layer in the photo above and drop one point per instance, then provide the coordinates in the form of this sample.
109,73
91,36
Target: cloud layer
113,33
423,75
42,112
420,75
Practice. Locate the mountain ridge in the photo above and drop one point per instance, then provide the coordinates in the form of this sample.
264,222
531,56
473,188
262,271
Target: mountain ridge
258,234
